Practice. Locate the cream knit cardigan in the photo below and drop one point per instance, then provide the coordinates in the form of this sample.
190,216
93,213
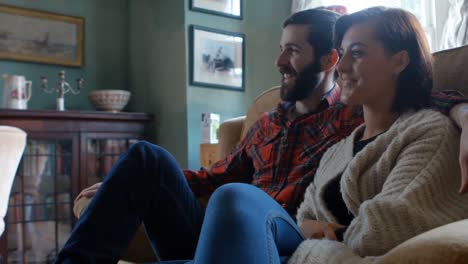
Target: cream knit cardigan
400,185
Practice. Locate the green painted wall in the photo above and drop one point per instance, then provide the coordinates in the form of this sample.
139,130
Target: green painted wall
142,46
262,27
105,51
157,70
158,59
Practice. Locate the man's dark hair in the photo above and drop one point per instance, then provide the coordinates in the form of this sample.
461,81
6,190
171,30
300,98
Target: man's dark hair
321,23
398,30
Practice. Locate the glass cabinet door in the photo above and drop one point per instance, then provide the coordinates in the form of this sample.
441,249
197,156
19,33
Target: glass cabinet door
102,154
39,218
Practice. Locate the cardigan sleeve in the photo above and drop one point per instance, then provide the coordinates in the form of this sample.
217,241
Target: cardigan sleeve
419,194
306,209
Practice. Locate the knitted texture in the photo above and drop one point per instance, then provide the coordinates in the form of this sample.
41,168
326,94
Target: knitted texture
400,185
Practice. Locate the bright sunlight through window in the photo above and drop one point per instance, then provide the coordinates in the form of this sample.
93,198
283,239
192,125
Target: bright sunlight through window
422,9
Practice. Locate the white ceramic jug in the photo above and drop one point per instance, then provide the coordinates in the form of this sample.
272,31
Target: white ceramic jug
16,91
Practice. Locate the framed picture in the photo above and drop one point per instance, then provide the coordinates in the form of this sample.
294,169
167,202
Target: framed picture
217,58
42,37
228,8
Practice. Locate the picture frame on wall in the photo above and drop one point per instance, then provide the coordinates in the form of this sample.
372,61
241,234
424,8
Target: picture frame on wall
41,37
217,58
227,8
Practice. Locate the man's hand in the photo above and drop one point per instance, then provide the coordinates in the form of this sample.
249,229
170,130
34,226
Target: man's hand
459,114
319,229
89,192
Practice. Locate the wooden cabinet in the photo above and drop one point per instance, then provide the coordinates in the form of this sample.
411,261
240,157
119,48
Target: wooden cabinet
65,152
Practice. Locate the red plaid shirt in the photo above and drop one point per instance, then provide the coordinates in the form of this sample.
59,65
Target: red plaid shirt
281,156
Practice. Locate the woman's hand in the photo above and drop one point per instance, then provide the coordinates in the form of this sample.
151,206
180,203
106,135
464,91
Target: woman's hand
319,229
88,192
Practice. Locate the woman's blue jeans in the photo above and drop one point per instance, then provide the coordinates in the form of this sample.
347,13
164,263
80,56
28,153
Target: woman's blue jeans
244,225
145,185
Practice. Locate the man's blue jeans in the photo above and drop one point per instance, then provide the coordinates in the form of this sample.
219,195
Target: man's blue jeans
145,185
244,225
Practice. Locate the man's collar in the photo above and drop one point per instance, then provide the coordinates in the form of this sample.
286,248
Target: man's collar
330,98
333,96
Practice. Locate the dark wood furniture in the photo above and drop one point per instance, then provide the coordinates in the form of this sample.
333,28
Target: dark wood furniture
66,152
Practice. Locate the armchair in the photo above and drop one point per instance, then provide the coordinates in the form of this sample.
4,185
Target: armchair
12,144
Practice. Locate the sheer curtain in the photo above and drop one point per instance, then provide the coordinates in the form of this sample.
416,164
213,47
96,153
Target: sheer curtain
455,28
298,5
426,10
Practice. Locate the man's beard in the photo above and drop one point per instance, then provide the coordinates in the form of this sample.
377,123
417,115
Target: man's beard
305,83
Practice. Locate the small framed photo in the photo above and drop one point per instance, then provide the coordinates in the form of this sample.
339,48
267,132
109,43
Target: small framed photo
228,8
41,37
217,58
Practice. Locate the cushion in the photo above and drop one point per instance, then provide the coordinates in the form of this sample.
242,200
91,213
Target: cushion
447,244
450,70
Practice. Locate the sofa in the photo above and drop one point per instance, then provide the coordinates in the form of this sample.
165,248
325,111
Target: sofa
446,244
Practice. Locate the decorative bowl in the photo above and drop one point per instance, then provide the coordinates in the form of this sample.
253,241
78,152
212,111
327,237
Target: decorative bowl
109,100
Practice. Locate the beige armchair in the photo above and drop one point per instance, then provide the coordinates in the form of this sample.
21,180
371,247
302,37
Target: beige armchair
12,144
447,244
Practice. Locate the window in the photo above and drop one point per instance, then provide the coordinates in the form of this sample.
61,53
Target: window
424,10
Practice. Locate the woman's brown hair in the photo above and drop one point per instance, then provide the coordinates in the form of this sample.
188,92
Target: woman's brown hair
398,30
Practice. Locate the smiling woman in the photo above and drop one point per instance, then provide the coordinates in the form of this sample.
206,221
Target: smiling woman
404,63
385,168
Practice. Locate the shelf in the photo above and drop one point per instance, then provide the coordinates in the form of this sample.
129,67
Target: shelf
65,151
